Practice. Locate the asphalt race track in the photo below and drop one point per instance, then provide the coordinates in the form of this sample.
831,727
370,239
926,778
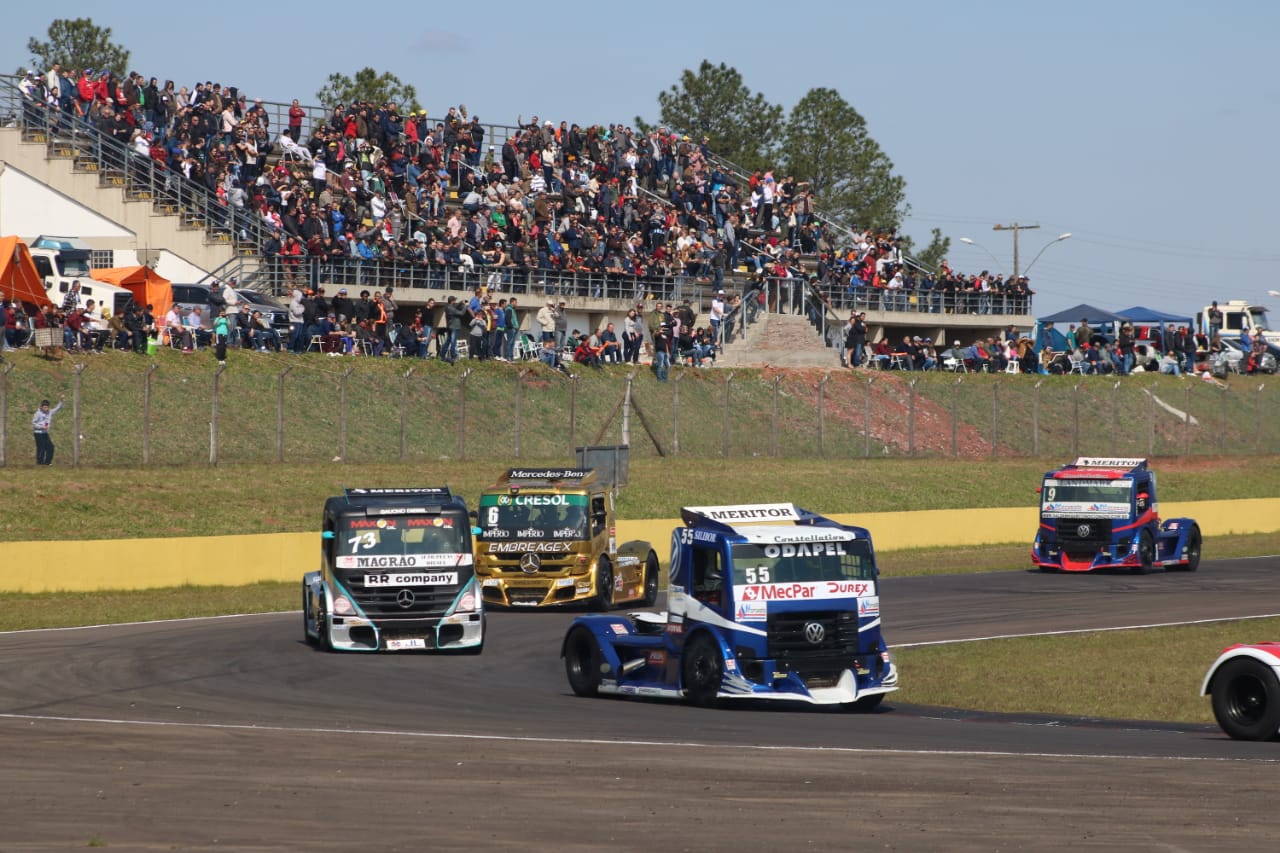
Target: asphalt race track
233,734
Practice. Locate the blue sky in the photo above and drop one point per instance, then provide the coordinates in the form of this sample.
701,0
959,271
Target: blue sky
1146,129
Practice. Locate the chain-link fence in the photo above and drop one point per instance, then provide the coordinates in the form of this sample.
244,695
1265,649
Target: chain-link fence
404,410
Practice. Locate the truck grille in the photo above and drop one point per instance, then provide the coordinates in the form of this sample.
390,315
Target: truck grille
1083,536
387,603
790,637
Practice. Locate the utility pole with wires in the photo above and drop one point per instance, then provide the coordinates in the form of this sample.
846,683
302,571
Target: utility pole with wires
1015,228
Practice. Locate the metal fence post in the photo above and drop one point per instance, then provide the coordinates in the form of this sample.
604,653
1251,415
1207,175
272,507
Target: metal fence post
462,414
1075,418
911,417
573,413
280,413
1035,418
1257,425
675,414
773,421
4,414
404,413
342,414
822,414
955,417
1186,422
866,420
146,413
213,417
1115,415
1222,433
1151,420
995,419
724,418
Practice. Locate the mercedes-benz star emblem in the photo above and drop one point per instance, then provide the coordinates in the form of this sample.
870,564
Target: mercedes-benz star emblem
1083,530
814,632
405,598
530,563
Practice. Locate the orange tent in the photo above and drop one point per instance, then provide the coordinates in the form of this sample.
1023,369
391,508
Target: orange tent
147,286
18,277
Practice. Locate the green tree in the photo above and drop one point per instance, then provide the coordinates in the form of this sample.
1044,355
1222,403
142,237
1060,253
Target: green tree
826,143
77,44
741,125
368,85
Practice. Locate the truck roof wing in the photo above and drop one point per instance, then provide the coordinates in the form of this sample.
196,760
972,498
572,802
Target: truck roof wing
526,477
749,520
1113,463
433,494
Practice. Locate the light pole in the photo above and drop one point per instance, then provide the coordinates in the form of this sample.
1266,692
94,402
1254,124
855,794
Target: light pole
969,242
1057,239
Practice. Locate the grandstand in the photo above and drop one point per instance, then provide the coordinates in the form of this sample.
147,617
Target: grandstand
282,196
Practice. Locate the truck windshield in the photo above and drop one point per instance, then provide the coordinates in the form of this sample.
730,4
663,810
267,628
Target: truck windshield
808,561
1073,498
525,516
424,542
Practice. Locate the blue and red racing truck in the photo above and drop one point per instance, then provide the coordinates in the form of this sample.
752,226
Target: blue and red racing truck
765,601
1102,513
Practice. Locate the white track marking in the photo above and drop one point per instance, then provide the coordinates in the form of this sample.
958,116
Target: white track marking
1084,631
564,741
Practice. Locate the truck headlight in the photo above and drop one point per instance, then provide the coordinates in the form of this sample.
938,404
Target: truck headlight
342,606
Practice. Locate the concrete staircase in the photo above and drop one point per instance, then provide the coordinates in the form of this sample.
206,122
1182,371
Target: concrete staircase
65,168
780,340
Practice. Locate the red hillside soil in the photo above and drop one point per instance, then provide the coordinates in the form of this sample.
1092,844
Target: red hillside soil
890,398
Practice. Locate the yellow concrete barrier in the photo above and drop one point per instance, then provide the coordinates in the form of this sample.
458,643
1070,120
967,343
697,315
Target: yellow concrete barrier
88,565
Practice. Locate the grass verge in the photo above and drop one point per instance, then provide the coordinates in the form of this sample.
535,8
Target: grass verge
1149,674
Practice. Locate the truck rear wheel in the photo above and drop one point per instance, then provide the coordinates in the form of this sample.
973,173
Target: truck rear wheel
603,599
1246,700
650,580
1194,542
702,668
582,662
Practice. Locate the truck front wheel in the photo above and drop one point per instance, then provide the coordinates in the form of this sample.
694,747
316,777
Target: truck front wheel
1246,700
582,662
603,599
702,667
864,705
1146,553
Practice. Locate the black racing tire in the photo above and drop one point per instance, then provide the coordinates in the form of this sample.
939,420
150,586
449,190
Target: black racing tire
701,670
307,617
865,705
1194,543
582,662
602,601
1146,553
1048,570
650,580
1246,700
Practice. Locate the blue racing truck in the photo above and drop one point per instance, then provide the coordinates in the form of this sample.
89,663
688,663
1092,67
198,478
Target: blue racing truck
1101,513
395,574
765,601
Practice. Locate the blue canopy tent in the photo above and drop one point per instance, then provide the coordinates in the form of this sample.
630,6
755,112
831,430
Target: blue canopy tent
1157,321
1056,339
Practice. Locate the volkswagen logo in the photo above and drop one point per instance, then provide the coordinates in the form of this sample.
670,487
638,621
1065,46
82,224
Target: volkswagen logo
530,563
405,598
814,632
1083,530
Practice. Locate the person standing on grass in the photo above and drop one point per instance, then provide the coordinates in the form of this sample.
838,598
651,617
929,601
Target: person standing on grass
41,423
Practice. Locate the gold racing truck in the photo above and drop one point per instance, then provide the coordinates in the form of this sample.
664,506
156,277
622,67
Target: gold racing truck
547,537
